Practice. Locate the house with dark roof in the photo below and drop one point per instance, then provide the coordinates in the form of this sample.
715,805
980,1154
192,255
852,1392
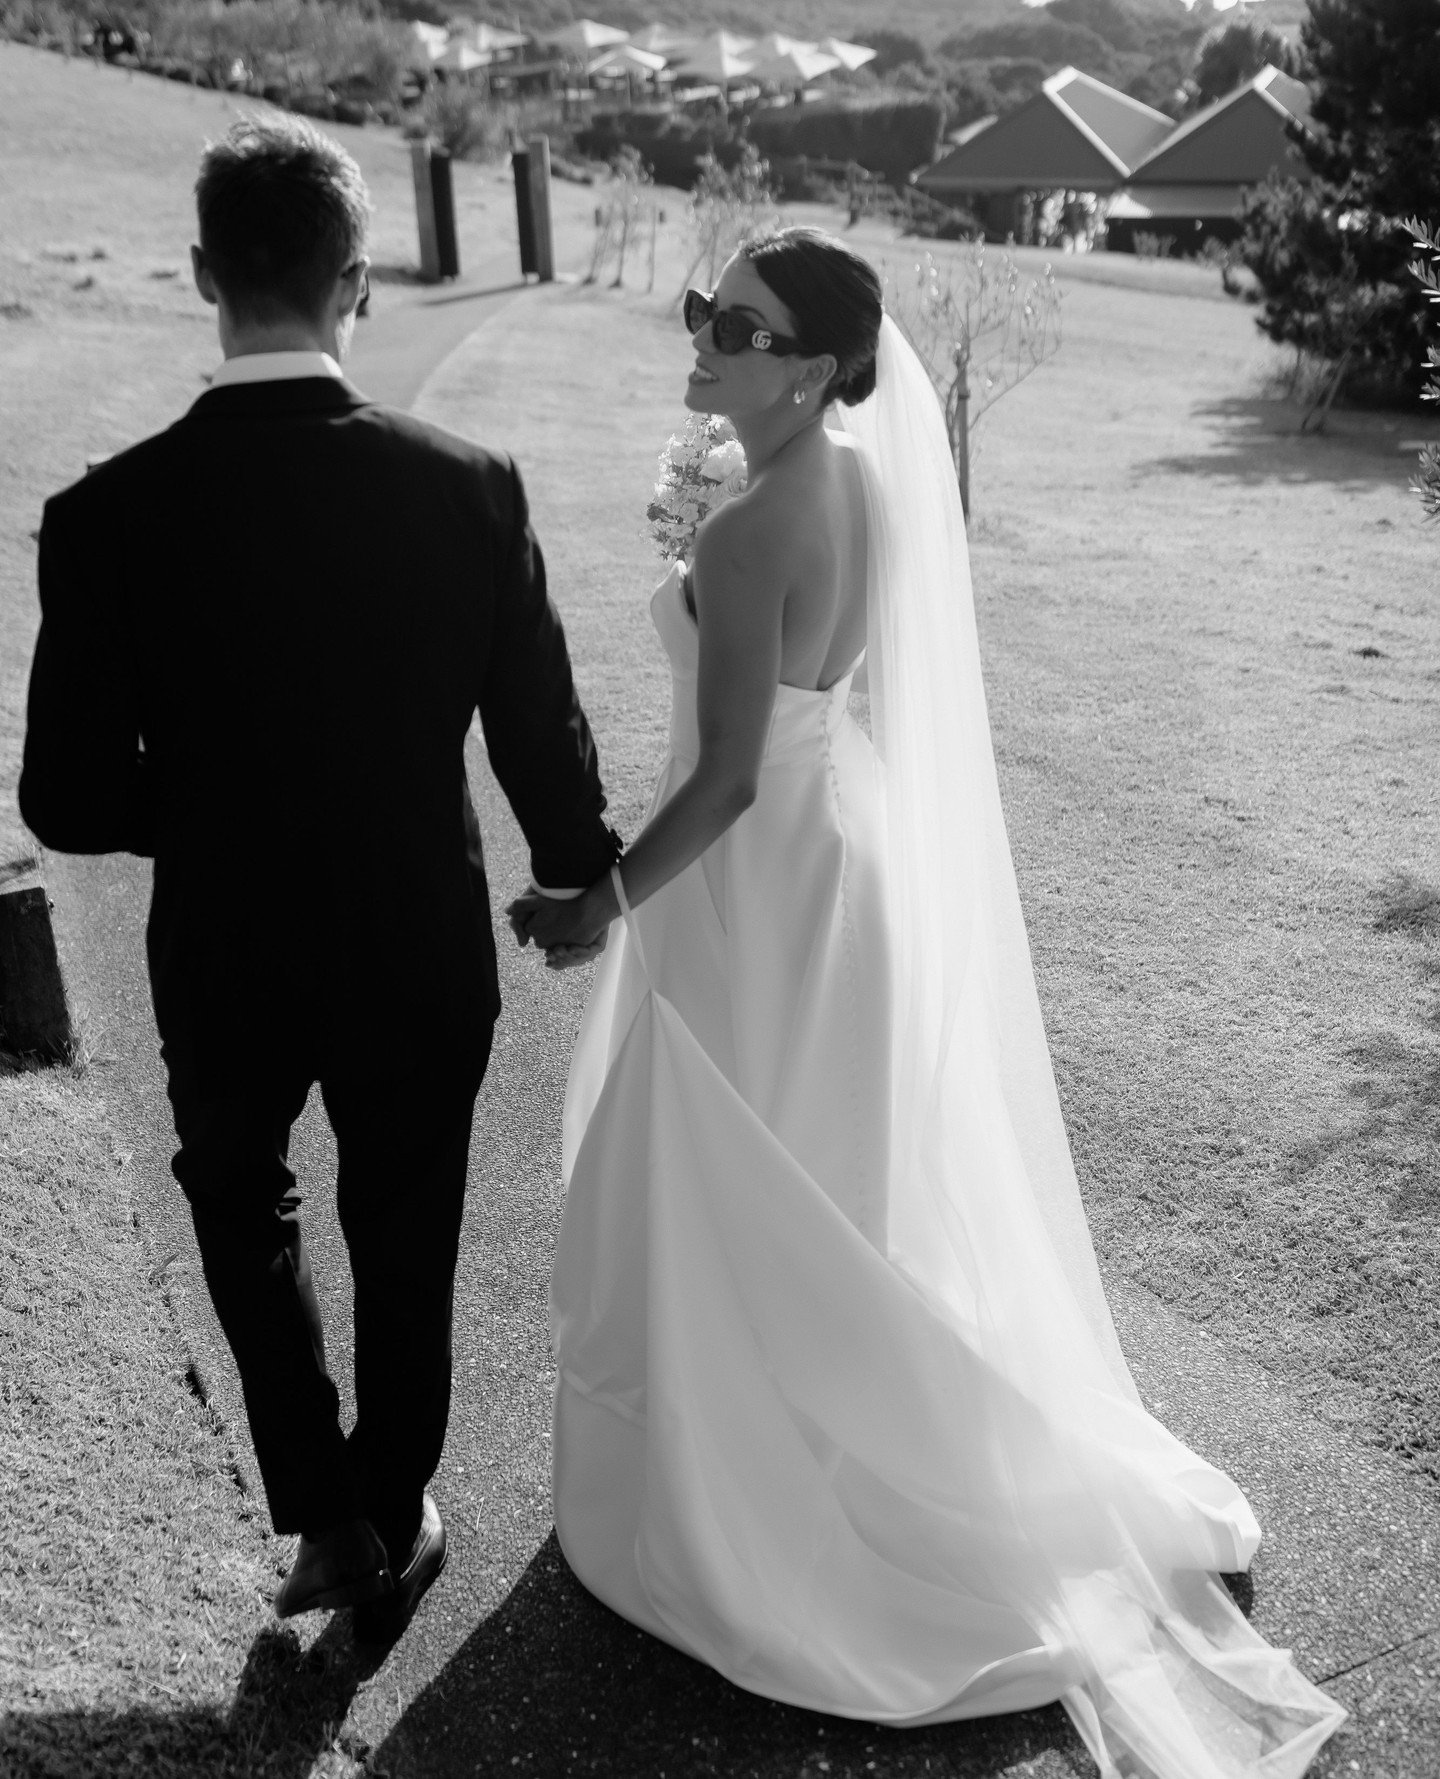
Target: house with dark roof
1075,134
1190,186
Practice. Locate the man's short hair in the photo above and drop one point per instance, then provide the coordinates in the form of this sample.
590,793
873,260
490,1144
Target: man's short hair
283,211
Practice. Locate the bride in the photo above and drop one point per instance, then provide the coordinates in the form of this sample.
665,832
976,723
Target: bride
840,1407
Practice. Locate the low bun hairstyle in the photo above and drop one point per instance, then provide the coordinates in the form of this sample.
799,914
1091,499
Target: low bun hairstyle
834,297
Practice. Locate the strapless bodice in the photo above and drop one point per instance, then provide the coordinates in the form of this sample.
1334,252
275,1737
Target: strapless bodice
804,721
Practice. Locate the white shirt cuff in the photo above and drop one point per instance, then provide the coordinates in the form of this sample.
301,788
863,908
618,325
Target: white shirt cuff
555,895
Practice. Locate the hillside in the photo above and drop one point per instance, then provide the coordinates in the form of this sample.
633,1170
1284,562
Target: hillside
929,20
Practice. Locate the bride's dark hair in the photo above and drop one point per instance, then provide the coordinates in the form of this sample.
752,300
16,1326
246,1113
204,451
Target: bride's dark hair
834,297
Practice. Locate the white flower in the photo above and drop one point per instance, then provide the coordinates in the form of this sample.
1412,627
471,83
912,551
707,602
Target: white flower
723,461
700,468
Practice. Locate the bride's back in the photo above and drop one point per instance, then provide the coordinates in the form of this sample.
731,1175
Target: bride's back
825,616
812,511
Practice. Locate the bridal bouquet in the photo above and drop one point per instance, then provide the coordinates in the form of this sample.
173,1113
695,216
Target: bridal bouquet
701,468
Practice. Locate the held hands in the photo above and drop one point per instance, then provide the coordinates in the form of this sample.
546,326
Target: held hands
569,932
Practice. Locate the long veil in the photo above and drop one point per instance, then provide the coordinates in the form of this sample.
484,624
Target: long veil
1122,1527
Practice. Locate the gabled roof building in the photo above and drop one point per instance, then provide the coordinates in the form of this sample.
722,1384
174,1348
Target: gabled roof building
1182,180
1190,186
1075,132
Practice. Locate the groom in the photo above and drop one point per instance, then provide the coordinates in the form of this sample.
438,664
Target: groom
264,635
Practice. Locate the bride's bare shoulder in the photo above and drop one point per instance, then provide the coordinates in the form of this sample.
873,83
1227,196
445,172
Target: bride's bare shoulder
751,535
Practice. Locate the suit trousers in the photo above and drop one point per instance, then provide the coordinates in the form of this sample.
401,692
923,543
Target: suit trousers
403,1140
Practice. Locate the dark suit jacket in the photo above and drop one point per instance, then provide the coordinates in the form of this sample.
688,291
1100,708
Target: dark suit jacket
264,634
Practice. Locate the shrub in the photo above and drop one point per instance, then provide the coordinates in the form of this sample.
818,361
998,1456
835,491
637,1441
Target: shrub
473,126
891,133
1323,272
51,24
460,121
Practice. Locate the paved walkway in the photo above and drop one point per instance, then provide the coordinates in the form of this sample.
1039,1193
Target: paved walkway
511,1667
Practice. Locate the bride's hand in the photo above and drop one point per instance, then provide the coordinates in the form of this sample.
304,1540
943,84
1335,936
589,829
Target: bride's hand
570,957
573,930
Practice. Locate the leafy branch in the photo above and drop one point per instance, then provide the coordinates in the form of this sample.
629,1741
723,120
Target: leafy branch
1425,269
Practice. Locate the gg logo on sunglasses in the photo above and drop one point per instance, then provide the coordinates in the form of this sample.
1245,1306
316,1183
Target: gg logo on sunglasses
731,331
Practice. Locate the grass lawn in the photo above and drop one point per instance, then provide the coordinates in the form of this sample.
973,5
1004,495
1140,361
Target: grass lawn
1213,657
131,1568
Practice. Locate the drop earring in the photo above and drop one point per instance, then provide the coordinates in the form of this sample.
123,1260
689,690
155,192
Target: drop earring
799,396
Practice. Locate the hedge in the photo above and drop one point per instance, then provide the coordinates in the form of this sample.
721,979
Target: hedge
672,148
891,136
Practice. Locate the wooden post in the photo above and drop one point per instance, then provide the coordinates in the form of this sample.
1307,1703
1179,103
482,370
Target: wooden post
524,210
539,154
34,1019
442,195
425,211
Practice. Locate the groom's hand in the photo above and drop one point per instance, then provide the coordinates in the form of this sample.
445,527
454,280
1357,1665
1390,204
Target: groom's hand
520,913
567,931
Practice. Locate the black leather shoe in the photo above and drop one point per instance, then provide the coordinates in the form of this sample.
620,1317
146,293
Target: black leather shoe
382,1621
342,1567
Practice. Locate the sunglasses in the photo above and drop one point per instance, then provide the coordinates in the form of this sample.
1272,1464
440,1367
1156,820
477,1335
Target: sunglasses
731,331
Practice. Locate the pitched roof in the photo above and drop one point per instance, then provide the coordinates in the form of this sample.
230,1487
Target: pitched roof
1075,132
1123,124
1238,140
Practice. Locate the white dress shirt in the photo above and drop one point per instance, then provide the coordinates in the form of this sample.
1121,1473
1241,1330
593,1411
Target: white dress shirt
275,367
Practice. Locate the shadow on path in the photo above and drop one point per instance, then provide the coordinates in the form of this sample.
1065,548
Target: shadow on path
287,1712
1395,1142
1257,440
554,1683
468,294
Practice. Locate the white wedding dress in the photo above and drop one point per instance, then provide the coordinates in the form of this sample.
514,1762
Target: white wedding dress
840,1410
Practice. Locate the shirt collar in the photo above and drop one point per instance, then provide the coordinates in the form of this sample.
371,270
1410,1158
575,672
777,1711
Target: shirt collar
275,367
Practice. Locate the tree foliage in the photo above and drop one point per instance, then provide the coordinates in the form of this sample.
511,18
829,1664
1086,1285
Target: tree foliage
1234,53
896,49
1145,50
1375,69
1332,257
